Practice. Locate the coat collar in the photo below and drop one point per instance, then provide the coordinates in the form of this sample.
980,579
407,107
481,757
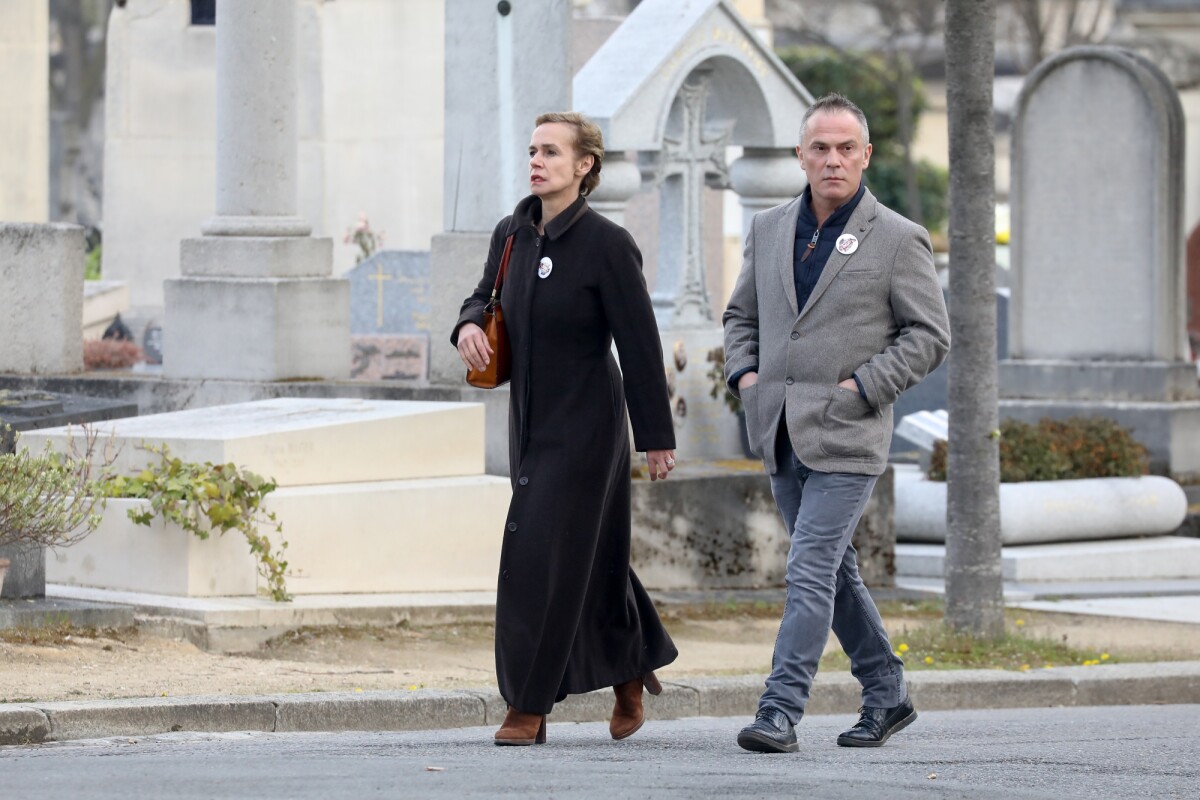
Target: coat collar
529,212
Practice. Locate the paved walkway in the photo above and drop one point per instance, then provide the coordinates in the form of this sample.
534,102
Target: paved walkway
1110,684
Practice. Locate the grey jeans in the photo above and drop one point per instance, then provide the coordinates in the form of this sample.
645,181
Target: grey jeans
824,589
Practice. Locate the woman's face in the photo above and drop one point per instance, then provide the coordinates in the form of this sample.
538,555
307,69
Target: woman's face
554,167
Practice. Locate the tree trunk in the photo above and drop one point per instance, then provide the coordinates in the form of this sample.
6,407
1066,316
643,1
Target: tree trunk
904,130
974,591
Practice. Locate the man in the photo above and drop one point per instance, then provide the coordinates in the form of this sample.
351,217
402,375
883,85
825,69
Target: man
837,311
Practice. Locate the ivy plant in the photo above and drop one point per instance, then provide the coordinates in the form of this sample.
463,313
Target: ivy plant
201,498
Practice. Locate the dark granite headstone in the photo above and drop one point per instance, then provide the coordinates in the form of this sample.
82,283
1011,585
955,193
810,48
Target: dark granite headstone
31,410
390,315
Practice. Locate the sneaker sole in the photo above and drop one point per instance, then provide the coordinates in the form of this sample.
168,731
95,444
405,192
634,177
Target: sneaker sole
844,741
757,743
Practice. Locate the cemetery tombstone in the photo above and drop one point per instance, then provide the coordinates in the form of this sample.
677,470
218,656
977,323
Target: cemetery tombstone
390,316
1097,310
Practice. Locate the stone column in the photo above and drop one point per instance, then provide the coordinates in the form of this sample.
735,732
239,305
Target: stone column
620,179
256,300
25,132
764,178
506,63
256,121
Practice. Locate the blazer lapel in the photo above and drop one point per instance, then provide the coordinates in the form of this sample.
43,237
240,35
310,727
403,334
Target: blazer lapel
785,252
859,224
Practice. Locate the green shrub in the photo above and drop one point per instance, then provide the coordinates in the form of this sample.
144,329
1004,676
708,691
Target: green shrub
91,265
1091,447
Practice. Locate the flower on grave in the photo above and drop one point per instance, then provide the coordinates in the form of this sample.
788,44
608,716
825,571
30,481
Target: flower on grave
903,647
1020,622
367,240
1104,656
928,659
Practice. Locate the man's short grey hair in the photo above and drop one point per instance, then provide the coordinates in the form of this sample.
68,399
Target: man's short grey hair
834,102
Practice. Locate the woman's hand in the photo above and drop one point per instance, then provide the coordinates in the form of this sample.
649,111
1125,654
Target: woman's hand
660,462
473,347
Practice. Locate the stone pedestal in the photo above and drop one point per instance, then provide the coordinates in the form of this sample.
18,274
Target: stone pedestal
716,527
705,427
41,283
257,329
456,263
256,300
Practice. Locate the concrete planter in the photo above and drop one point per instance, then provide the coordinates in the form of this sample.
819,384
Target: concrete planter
1049,511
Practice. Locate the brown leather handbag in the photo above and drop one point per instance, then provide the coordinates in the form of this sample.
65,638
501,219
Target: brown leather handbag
499,368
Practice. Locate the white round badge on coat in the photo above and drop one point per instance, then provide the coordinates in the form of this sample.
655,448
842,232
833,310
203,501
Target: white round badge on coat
545,267
846,244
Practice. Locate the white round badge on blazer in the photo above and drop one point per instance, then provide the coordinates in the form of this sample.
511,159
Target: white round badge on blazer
846,244
545,267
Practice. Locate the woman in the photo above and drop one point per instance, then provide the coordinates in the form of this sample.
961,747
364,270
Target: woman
571,616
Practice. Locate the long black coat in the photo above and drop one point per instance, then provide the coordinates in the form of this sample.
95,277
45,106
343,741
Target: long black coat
571,616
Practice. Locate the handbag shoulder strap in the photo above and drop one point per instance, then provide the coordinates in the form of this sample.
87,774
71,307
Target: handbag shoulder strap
500,273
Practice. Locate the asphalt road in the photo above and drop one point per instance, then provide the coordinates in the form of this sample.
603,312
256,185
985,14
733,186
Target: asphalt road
1109,752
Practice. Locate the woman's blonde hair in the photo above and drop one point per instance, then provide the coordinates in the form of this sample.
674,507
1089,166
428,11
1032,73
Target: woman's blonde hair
588,142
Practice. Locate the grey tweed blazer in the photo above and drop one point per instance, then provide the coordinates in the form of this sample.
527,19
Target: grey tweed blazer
877,312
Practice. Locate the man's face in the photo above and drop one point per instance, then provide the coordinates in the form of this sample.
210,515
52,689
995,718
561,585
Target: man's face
833,156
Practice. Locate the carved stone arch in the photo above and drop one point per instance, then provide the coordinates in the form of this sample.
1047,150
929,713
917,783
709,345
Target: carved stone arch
628,86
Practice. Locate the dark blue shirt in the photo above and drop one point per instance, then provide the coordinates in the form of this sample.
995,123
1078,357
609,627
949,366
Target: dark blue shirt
807,270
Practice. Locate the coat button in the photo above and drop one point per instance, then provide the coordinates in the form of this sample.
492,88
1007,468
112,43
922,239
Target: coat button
789,381
795,335
523,481
504,574
512,526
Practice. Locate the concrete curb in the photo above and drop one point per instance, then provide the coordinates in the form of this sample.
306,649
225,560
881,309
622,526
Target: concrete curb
1114,684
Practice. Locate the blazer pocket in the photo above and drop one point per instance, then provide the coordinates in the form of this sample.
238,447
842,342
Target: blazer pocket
750,409
850,428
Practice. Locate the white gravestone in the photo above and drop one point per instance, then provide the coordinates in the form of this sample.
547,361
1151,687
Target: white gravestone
1096,320
375,496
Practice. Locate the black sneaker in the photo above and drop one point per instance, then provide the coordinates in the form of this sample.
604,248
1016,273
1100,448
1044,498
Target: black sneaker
875,725
771,732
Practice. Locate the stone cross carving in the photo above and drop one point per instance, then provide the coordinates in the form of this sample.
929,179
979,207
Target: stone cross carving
379,276
686,165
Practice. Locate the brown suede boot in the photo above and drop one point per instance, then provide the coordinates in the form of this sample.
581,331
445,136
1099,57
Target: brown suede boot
628,715
522,729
